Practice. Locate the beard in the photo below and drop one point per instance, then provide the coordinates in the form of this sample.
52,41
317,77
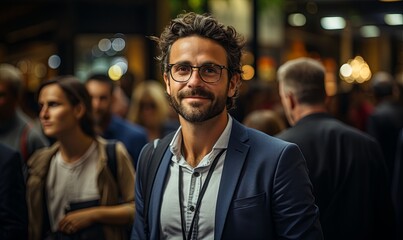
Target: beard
98,118
197,112
101,118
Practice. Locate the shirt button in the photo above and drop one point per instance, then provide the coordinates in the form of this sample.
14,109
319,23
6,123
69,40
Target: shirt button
196,174
192,208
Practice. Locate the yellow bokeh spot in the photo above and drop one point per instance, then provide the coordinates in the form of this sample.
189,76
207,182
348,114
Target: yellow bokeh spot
360,71
248,72
115,72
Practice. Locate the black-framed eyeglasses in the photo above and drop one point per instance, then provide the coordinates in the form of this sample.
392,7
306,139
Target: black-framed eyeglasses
209,73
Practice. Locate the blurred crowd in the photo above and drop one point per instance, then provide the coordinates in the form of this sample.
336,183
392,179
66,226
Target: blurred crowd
134,113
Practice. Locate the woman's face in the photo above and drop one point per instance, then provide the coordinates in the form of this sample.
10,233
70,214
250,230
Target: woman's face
148,110
58,117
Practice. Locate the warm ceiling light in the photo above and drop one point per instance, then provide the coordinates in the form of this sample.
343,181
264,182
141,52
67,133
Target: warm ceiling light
248,72
332,23
369,31
297,19
394,19
355,70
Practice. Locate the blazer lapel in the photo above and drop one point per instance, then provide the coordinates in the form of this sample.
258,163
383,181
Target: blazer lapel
156,194
234,161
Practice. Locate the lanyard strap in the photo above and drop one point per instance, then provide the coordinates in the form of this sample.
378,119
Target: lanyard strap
198,203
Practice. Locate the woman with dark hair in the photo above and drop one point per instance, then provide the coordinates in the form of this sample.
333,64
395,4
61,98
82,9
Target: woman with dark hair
71,192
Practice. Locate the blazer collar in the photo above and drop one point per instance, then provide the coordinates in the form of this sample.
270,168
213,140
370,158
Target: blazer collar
235,158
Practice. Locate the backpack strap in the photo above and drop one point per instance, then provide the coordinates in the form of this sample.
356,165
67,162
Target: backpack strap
111,156
152,158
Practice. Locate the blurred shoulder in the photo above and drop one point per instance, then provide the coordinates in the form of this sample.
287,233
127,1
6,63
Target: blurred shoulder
7,153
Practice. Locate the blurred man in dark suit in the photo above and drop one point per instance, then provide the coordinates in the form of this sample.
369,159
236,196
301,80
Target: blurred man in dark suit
346,166
386,120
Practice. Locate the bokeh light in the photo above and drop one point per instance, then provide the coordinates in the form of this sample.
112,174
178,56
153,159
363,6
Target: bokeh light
355,70
296,19
115,72
104,44
248,72
54,61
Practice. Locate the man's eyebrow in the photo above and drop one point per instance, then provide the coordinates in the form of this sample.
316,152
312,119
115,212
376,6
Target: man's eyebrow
182,62
188,63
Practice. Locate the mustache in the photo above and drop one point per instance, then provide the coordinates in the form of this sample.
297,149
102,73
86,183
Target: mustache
196,92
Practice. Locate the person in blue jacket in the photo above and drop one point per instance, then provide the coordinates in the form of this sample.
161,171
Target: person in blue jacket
109,125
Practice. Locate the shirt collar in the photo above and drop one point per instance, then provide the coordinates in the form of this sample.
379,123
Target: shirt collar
222,142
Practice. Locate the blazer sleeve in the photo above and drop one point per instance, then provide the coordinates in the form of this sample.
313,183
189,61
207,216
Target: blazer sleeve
295,214
13,206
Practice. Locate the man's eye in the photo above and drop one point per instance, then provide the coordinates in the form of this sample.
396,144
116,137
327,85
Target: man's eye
183,68
210,69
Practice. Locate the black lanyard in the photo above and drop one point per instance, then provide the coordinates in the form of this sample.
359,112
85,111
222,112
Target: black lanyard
198,203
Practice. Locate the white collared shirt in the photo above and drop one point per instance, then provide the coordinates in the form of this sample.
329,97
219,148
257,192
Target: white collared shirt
193,179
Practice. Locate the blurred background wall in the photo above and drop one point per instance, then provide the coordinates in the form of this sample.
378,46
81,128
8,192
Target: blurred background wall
354,39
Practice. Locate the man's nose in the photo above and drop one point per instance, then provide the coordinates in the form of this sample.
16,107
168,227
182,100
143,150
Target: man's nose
95,102
195,78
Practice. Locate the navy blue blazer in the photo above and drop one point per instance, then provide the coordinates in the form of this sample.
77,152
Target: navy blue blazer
13,206
265,192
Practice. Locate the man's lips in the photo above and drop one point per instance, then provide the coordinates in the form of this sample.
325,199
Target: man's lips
196,97
196,94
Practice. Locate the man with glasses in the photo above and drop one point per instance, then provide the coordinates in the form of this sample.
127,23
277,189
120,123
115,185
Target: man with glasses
218,179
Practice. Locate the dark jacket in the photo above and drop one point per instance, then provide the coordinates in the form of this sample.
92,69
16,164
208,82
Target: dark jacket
349,177
13,206
384,125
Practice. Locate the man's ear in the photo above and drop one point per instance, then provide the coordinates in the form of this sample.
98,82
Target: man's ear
234,84
292,99
167,85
